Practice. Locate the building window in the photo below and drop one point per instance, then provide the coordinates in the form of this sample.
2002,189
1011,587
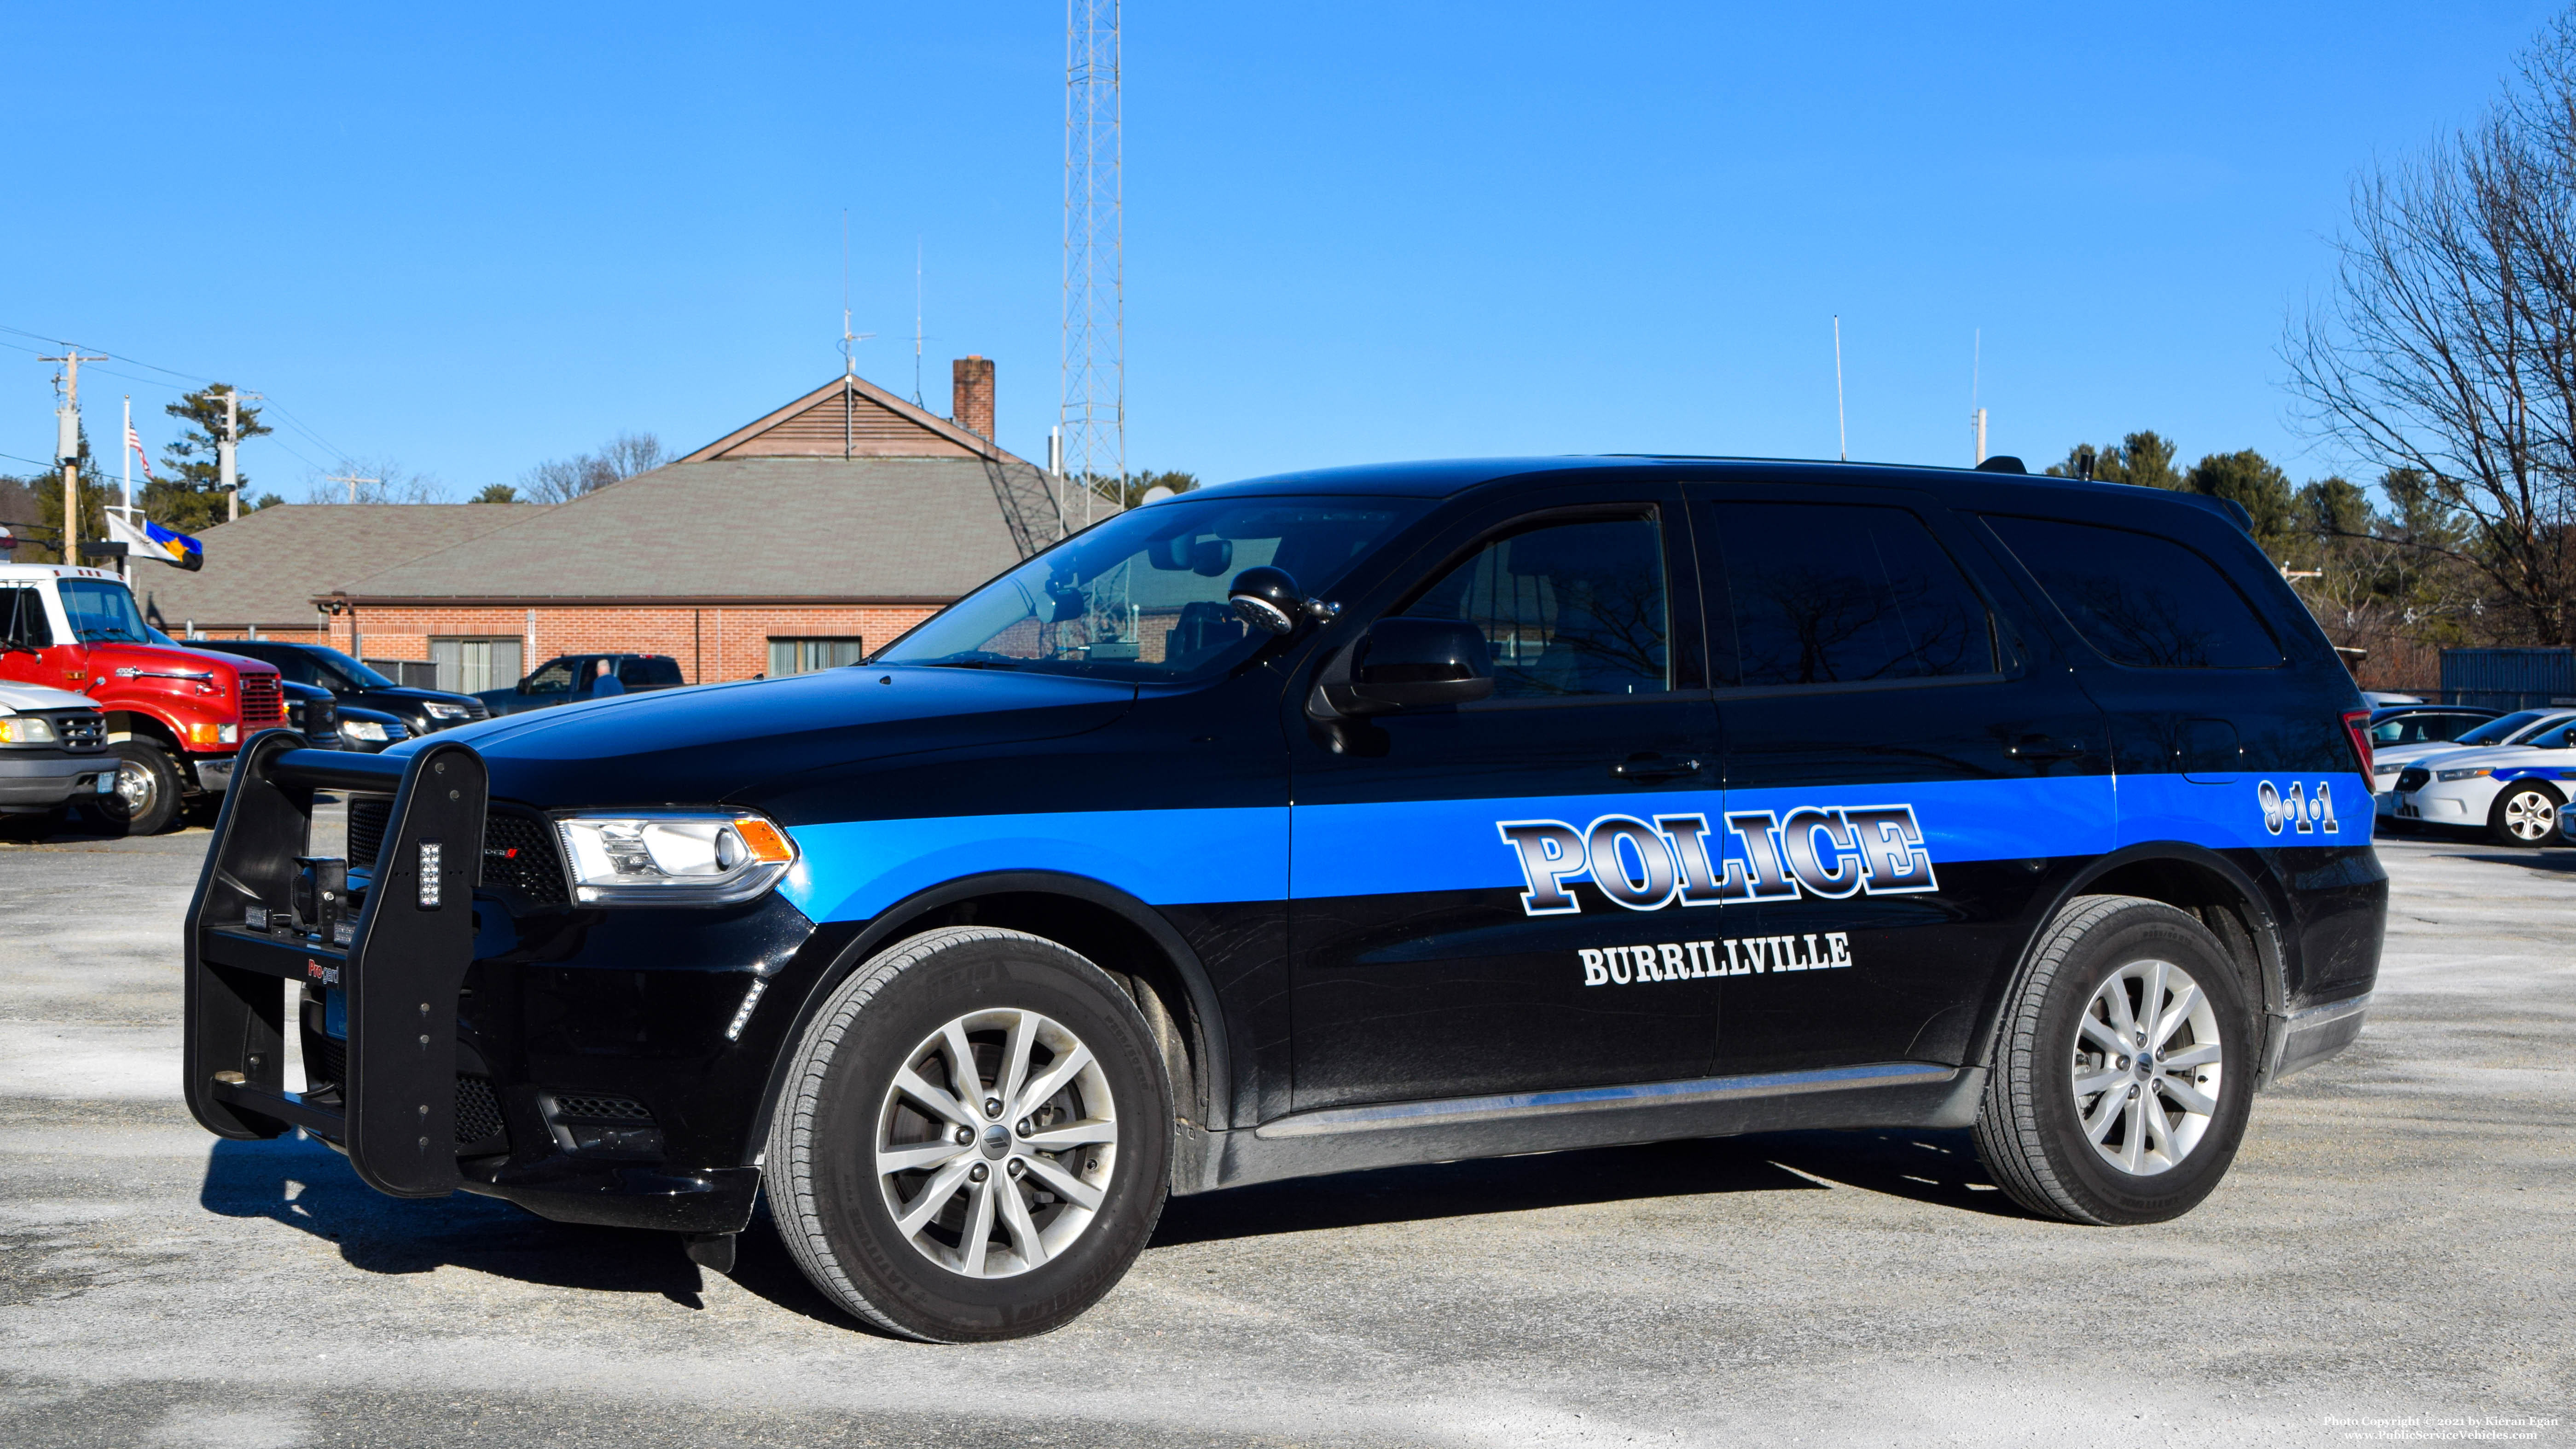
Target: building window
473,665
804,656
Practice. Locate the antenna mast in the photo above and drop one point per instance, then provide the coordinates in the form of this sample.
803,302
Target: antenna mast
1976,414
849,347
1842,434
1092,416
916,323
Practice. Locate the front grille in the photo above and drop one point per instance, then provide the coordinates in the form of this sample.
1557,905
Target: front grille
518,850
262,703
81,731
331,1063
2414,777
368,817
320,717
477,709
396,730
480,1128
601,1109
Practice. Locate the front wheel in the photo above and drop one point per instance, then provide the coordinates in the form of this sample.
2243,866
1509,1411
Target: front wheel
2124,1068
974,1139
146,797
2525,813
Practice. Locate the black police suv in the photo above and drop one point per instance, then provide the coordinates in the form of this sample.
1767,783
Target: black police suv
572,678
1337,820
318,715
352,683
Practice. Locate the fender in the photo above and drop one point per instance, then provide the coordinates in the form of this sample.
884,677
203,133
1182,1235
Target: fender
1207,1027
2262,912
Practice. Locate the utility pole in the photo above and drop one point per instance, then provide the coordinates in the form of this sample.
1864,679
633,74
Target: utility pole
67,446
353,483
227,476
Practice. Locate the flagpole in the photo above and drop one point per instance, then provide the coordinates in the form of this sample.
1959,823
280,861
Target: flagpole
128,451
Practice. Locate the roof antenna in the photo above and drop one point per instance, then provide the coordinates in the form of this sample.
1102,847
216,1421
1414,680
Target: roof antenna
1976,414
849,339
1842,434
916,322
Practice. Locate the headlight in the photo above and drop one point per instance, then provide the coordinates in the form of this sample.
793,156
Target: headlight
2465,774
363,729
673,857
26,730
436,710
2397,769
228,734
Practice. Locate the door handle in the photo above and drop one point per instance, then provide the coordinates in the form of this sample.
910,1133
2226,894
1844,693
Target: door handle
1648,769
2041,747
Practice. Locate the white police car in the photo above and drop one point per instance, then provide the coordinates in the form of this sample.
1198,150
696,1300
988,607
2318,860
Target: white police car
2389,761
2515,791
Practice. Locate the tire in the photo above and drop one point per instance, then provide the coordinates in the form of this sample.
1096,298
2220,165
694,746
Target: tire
147,794
2525,813
2032,1127
843,1107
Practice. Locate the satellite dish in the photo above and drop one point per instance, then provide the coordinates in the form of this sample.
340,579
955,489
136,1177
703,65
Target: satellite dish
1155,494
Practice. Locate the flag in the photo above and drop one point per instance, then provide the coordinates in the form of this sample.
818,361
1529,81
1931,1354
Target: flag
134,440
145,539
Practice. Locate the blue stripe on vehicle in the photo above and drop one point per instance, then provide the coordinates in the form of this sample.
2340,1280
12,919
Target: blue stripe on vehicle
852,870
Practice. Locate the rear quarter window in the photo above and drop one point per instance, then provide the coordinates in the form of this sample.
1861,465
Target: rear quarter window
2142,601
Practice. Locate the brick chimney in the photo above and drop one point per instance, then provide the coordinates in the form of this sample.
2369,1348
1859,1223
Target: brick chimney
971,403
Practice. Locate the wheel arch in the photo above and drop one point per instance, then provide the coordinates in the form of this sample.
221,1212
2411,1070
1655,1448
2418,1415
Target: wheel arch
2193,879
1107,926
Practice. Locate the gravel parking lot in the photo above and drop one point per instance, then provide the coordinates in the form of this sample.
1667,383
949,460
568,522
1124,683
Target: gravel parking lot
2394,1244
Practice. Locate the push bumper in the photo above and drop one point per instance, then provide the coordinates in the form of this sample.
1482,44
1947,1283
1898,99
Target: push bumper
215,772
39,780
412,1084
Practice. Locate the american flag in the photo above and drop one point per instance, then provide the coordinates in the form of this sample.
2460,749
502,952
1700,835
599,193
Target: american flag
134,440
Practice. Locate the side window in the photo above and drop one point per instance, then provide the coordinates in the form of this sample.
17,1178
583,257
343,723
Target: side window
554,678
1567,609
1831,593
22,617
2143,601
656,670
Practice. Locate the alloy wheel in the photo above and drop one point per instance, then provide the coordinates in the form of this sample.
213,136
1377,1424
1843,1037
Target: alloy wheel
2530,816
2148,1065
996,1143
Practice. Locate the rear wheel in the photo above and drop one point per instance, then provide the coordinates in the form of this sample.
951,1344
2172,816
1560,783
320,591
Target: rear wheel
2525,813
2123,1075
974,1139
146,797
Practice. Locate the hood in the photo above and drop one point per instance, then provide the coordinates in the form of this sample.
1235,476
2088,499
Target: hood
409,694
152,665
25,697
2498,757
2417,754
708,743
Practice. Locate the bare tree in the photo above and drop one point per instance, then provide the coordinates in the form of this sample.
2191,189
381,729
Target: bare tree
2449,346
561,480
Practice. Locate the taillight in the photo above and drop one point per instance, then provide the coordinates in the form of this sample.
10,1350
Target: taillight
2356,725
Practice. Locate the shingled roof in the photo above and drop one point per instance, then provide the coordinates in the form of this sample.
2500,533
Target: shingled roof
783,530
264,568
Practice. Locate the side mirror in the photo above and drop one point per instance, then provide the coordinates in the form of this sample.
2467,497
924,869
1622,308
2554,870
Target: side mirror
1270,601
1403,663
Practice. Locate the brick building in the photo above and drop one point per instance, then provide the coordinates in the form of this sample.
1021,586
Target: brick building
795,542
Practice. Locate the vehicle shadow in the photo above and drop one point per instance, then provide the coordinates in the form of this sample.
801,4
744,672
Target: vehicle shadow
299,1182
2556,862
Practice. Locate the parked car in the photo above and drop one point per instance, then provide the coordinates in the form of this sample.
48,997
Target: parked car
1349,819
2515,793
318,715
176,717
2506,729
422,711
569,678
53,749
2423,724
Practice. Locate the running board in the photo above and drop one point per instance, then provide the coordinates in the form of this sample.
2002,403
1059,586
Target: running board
1344,1139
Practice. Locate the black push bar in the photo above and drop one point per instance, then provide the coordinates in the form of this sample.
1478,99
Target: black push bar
402,963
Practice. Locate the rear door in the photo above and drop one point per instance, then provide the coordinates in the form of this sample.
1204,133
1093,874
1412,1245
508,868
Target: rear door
1909,763
1448,939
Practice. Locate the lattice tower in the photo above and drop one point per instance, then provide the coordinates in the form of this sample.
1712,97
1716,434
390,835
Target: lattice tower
1093,413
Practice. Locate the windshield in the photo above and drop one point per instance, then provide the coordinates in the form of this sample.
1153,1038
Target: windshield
2557,739
104,613
2497,731
1142,596
353,675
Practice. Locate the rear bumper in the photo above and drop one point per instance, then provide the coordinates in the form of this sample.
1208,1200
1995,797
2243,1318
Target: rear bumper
2311,1034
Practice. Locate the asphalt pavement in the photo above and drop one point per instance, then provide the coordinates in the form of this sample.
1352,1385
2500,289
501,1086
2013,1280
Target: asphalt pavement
2390,1258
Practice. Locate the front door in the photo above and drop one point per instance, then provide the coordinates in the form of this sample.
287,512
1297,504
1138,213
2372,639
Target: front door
1907,759
1475,890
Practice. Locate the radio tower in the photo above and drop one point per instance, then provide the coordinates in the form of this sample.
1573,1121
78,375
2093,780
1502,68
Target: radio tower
1093,413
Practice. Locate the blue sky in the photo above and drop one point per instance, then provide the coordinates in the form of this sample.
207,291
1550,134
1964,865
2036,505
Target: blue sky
462,239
